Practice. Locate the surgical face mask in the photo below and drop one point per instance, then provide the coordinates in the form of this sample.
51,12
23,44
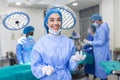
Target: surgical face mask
56,33
95,24
89,31
30,37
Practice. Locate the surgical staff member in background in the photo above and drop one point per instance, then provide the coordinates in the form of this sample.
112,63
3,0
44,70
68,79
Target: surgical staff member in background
90,68
100,45
25,45
53,55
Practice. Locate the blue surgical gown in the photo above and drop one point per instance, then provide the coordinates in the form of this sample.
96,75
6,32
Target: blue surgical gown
55,51
89,68
101,49
23,49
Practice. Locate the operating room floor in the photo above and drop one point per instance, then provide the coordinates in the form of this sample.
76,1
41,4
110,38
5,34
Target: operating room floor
110,77
81,75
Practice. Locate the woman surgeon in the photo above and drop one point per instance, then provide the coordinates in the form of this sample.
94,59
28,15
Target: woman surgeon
54,55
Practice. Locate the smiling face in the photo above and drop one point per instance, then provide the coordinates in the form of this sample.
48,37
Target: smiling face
54,22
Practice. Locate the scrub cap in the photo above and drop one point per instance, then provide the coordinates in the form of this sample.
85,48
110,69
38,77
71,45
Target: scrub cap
95,17
93,27
28,29
48,13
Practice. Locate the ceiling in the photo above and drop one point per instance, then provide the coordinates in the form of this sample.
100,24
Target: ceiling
82,4
44,3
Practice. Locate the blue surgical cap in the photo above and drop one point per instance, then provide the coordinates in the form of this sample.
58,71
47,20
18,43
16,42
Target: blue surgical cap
48,13
95,17
28,29
93,27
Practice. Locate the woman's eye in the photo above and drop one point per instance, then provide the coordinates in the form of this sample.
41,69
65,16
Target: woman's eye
59,19
51,20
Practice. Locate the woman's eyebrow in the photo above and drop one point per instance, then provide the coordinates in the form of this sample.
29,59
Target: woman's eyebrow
51,18
54,18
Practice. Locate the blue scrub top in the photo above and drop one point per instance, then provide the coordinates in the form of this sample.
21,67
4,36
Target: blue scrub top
23,49
89,68
55,51
101,49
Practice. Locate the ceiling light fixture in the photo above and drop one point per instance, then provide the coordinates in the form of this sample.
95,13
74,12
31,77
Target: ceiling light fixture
75,4
18,3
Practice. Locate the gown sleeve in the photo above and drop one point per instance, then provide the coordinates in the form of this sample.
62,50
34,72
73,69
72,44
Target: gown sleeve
100,35
37,64
73,64
19,55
